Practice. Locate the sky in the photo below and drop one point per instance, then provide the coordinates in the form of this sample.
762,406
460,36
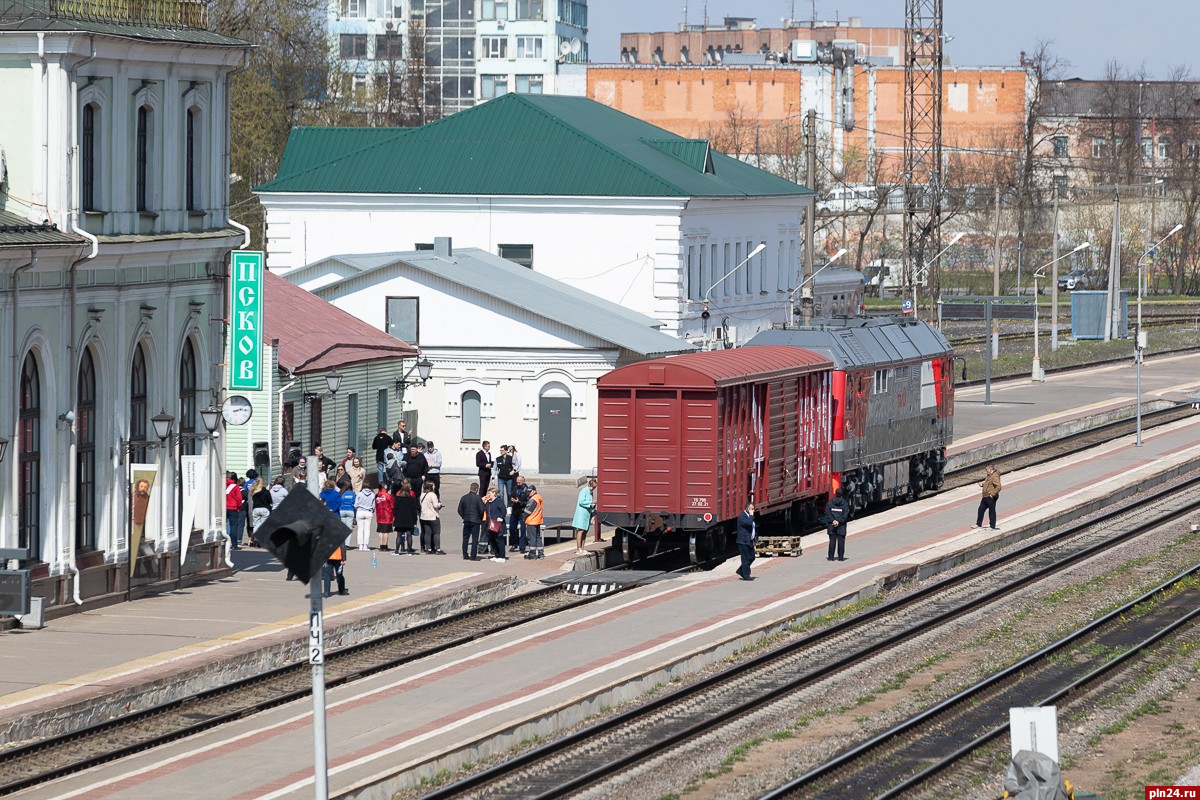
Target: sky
1155,34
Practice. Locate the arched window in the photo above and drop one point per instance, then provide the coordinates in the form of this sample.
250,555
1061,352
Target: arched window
87,158
143,158
137,406
85,456
190,182
29,523
187,399
471,410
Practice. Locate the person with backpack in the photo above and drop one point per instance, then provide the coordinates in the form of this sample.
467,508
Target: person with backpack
335,567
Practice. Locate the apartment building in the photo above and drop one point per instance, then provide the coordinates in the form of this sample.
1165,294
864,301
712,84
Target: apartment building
459,51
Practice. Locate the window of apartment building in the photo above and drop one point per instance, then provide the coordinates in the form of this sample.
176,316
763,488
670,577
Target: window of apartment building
529,47
494,9
1191,148
1147,147
492,86
1060,185
573,12
352,45
389,47
456,88
143,159
1099,147
530,9
402,318
354,8
493,47
1060,146
1164,147
529,84
520,253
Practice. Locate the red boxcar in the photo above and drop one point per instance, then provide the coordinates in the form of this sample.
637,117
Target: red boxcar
686,441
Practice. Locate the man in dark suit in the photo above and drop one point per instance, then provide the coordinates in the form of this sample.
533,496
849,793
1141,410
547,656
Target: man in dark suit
746,534
484,463
402,436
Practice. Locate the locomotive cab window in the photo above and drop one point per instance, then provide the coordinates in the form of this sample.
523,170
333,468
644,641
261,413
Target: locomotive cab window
882,377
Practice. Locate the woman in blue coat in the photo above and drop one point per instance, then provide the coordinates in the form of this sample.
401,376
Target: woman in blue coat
585,513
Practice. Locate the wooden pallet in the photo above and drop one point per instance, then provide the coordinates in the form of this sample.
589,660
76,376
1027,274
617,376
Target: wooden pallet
777,546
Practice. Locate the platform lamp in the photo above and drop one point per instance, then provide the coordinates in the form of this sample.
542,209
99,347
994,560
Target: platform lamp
333,380
1139,341
423,368
791,299
917,276
1039,375
704,315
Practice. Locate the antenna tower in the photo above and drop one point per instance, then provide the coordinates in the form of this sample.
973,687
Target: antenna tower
922,142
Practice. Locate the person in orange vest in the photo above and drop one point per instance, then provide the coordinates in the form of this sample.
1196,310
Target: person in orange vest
533,524
336,567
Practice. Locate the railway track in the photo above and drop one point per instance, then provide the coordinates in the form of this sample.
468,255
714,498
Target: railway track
597,753
896,761
41,761
982,337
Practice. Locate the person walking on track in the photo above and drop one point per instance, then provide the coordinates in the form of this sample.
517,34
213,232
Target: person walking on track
991,494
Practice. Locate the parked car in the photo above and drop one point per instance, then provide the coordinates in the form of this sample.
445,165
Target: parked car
1075,279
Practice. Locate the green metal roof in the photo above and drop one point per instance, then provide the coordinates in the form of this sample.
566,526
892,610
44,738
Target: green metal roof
519,145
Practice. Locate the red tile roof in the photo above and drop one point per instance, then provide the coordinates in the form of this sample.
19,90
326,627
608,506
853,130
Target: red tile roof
315,335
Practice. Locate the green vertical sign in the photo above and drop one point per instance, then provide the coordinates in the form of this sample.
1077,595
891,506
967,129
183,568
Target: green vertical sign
246,323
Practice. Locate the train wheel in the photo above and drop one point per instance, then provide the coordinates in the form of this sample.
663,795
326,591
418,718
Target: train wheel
626,538
697,546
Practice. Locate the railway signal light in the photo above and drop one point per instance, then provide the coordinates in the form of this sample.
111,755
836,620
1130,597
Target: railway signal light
302,533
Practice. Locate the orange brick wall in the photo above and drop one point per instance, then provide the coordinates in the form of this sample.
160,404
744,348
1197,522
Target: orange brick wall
982,109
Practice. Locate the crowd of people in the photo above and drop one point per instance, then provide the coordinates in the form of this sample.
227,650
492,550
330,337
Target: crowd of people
406,503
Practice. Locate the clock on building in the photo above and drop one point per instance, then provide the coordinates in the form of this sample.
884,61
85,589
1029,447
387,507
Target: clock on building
236,410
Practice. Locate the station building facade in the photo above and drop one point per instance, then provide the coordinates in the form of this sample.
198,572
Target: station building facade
114,241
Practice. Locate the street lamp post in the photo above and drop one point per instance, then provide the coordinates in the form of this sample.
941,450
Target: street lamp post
162,423
1038,375
1140,336
423,368
704,314
923,270
805,282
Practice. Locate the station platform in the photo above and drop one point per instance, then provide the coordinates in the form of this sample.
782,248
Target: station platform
541,677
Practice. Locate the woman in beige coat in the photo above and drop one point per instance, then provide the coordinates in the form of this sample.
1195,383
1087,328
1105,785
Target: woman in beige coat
431,525
357,473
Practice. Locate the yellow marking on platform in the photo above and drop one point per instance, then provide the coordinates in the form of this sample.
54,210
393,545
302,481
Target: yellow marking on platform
298,621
